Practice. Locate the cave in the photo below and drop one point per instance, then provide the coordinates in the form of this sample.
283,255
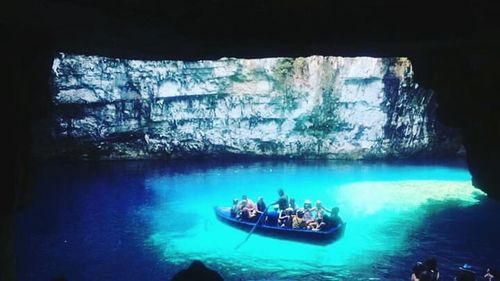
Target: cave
452,49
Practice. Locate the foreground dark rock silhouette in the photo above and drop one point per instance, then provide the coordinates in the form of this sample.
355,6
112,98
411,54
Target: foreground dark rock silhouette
197,271
465,274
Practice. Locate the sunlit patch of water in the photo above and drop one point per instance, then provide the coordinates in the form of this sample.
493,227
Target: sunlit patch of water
380,213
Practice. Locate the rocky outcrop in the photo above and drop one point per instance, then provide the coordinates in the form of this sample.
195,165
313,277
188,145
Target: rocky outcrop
314,107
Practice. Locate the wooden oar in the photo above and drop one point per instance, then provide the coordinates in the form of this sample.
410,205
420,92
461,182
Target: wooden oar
253,228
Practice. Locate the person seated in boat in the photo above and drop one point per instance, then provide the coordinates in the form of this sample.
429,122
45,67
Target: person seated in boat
282,218
282,201
272,216
241,204
242,211
293,206
307,210
261,206
248,210
318,210
316,225
326,223
298,220
290,214
333,219
285,218
235,208
319,222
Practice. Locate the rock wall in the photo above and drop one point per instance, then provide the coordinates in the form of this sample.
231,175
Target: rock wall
314,107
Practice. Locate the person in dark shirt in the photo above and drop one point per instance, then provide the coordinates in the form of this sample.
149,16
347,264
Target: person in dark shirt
272,216
235,208
261,206
293,206
282,201
286,217
330,221
334,217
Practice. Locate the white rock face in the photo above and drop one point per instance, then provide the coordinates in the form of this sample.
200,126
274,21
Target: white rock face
333,107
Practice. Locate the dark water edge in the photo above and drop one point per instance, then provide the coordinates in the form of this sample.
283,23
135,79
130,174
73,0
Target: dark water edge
238,157
148,267
481,225
229,160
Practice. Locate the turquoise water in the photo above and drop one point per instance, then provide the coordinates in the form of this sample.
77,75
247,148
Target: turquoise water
396,214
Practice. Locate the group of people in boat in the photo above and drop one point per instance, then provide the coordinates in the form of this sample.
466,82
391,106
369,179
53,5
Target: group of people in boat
428,271
285,213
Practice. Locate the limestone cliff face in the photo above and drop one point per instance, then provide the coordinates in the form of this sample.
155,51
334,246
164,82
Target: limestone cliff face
314,107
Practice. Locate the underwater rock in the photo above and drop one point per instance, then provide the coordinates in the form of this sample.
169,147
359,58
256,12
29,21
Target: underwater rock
314,107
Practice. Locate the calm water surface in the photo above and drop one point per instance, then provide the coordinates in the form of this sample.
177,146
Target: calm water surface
147,220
